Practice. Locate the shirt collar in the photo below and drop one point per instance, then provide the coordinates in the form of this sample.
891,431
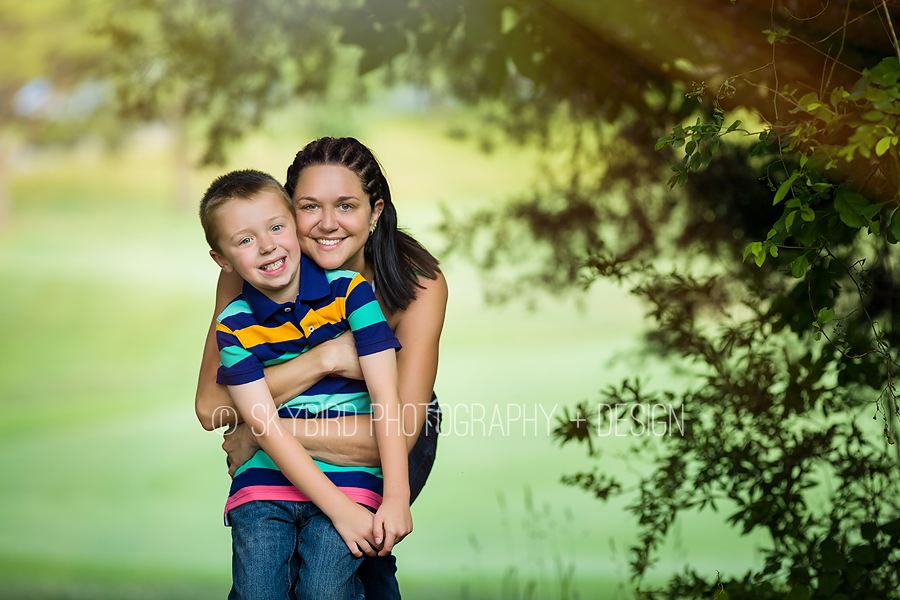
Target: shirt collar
313,285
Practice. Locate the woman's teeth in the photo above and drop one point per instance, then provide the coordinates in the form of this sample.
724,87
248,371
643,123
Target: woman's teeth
329,242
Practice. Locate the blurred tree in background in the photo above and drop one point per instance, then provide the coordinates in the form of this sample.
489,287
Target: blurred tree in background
679,138
51,77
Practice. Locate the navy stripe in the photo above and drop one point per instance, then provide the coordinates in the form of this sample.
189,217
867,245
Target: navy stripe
271,477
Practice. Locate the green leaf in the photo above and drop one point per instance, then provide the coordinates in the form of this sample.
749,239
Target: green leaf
849,206
807,214
825,315
883,145
785,187
799,266
790,219
893,229
690,147
734,126
759,255
799,592
773,250
661,143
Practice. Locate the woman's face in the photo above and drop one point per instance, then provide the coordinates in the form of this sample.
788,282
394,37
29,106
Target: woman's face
334,216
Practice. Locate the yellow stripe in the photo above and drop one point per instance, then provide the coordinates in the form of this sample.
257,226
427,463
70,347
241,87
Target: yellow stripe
257,334
333,312
221,327
357,279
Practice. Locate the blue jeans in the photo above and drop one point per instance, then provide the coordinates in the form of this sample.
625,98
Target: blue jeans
287,550
379,573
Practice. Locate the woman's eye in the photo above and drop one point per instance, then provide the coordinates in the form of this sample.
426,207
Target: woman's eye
307,207
346,206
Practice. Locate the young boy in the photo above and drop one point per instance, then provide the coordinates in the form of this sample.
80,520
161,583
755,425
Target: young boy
281,533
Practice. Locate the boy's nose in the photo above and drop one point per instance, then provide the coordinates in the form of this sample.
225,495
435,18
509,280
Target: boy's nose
266,244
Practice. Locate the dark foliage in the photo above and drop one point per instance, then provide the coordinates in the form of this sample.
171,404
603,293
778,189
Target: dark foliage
789,422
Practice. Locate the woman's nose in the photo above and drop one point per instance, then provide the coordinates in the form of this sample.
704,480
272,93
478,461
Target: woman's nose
327,222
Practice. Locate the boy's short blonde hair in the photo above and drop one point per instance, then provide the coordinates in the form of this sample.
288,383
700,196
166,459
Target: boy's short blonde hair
236,185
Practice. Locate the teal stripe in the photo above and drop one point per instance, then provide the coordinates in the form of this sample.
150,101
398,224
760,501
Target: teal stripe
283,358
232,355
340,274
329,468
261,460
235,308
367,314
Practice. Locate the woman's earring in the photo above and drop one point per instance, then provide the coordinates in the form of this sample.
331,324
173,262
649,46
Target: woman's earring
371,231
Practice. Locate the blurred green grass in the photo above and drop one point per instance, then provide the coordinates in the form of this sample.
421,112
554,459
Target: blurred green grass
111,488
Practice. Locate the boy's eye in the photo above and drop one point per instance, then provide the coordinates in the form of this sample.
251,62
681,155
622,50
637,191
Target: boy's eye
277,227
246,240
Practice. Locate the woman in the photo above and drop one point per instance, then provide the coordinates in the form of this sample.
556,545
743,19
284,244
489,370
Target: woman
346,220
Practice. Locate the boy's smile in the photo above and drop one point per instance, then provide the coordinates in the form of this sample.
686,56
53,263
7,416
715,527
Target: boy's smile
258,239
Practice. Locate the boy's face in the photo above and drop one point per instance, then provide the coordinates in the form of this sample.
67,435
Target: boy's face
258,239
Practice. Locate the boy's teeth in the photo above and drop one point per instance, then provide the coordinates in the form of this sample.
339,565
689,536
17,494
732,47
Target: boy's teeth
273,265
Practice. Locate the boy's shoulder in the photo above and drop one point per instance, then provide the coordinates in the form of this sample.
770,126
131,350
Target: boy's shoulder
236,309
342,282
341,274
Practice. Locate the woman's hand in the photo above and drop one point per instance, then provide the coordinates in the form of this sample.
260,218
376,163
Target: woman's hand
240,445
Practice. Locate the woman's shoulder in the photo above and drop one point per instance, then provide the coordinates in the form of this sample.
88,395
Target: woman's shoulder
429,305
432,290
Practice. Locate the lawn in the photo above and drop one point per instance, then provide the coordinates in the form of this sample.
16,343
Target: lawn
111,488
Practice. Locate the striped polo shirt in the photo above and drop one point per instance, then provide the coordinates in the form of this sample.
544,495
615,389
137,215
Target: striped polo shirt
253,332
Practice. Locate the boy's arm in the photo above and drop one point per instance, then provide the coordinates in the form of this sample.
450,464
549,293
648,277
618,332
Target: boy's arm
353,522
213,404
393,520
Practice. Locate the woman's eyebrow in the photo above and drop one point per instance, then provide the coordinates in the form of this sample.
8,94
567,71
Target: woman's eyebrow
316,199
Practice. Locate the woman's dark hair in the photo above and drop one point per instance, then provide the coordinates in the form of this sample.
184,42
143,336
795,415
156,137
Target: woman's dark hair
398,259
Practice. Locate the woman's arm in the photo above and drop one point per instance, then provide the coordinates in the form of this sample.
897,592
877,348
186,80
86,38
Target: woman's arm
213,403
419,331
347,441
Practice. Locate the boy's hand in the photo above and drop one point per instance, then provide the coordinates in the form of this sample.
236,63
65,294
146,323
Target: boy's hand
240,445
355,526
393,522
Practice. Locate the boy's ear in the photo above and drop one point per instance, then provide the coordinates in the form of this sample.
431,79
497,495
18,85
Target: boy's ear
220,260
